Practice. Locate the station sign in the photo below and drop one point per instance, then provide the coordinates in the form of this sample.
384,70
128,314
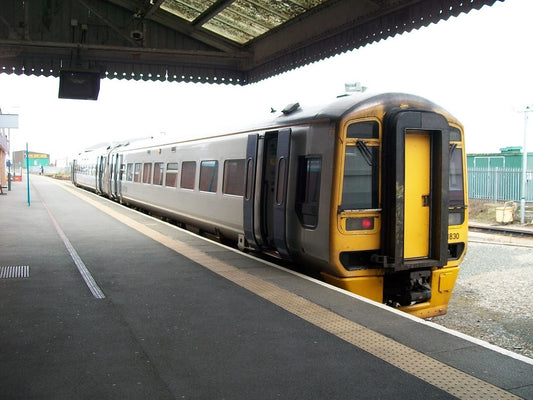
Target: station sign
37,155
9,121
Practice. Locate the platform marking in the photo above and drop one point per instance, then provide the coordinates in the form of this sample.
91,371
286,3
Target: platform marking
86,275
434,372
15,271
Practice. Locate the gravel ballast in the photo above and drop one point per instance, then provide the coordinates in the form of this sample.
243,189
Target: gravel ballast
493,298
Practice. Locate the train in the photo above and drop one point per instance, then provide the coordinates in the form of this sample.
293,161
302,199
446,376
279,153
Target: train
367,192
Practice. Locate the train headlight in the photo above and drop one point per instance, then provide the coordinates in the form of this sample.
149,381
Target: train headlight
360,224
456,218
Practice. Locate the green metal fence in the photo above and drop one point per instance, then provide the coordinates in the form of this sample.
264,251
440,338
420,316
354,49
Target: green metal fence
499,184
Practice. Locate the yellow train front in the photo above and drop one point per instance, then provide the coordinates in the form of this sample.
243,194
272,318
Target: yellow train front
396,211
398,215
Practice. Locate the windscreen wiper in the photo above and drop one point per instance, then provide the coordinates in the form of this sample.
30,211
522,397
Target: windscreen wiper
453,146
366,153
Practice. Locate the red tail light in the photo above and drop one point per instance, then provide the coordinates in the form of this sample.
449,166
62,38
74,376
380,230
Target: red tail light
360,224
367,223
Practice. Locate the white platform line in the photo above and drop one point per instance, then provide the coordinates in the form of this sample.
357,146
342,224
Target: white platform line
86,275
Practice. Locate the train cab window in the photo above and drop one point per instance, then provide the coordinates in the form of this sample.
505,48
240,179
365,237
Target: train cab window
129,172
308,190
158,173
188,172
456,182
363,130
456,185
171,177
455,135
147,172
208,176
456,176
137,172
361,160
233,182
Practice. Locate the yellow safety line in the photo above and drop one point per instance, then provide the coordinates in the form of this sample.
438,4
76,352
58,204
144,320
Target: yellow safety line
436,373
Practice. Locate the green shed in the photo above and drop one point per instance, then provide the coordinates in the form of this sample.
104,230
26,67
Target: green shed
509,157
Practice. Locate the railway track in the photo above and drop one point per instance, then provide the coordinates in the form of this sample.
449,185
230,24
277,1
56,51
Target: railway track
507,230
511,235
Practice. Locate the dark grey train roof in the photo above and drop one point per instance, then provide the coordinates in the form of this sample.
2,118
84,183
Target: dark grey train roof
342,105
331,111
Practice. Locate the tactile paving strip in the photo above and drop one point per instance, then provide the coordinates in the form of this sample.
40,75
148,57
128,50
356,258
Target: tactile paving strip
15,271
436,373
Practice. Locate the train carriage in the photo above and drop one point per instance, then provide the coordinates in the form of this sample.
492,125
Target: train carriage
368,191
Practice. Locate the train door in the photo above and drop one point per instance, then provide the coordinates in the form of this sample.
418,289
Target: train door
110,180
250,208
417,194
116,175
109,175
106,175
73,172
415,191
278,207
100,173
265,200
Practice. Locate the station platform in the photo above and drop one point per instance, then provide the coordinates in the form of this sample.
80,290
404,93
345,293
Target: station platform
100,301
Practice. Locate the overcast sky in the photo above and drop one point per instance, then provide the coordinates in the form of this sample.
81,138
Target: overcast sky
478,66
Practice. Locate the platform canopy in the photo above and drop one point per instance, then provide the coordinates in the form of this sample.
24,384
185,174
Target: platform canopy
217,41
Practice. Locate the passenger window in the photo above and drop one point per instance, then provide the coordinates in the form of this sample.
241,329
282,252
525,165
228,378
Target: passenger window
137,172
208,176
249,178
233,177
280,188
308,190
147,172
171,177
188,172
158,174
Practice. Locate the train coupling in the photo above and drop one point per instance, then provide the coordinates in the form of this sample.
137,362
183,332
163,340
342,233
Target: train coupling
407,287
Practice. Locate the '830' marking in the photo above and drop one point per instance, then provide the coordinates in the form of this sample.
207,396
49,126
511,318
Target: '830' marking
454,236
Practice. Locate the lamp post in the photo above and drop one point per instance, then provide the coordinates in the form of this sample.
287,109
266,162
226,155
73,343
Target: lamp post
524,168
28,174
